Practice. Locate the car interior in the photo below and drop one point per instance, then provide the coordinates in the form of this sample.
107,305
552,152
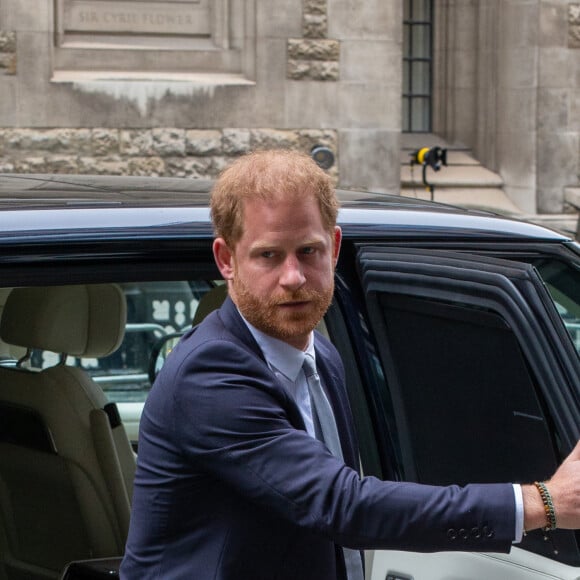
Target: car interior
66,464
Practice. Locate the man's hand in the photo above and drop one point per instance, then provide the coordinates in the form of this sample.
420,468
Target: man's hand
564,487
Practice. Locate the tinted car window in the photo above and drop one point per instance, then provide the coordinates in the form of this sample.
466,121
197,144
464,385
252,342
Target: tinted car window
473,413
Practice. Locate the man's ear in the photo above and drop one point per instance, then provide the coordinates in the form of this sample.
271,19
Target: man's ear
224,258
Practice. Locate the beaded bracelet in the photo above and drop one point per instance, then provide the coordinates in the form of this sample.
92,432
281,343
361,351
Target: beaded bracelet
548,506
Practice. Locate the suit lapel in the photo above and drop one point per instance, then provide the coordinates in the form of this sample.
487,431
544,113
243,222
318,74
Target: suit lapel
233,322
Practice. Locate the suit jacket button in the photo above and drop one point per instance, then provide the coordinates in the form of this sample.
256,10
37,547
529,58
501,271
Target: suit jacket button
476,533
487,532
452,534
463,534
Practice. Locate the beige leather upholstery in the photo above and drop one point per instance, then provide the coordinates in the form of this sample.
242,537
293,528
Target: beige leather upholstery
76,320
66,464
209,302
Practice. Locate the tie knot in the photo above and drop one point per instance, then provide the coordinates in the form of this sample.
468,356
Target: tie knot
309,366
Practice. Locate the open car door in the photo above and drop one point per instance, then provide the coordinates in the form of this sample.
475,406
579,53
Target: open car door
482,379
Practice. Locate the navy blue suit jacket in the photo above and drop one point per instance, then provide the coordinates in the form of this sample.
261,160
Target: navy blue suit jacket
230,486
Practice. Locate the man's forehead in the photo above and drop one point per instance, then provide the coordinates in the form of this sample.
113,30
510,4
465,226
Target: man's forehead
276,239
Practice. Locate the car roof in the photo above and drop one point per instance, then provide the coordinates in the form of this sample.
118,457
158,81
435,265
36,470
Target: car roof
37,206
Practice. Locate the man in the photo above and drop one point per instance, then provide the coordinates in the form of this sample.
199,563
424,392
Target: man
234,480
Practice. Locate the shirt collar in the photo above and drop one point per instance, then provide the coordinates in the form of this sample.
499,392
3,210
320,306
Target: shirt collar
279,354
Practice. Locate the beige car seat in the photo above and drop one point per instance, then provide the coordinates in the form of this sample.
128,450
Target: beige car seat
66,464
209,302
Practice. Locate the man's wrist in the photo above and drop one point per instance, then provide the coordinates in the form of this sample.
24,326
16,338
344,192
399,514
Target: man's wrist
534,510
551,523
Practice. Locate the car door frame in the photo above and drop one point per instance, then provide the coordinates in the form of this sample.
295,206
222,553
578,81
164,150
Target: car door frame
525,301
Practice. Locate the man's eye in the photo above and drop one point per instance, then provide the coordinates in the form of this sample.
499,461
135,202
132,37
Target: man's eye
267,254
308,250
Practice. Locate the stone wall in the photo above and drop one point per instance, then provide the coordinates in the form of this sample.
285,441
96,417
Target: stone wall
7,53
314,56
507,86
79,94
171,151
168,152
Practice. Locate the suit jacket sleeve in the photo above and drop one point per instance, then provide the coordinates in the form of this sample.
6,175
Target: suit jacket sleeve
233,420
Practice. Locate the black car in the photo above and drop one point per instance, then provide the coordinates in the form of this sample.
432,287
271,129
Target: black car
460,333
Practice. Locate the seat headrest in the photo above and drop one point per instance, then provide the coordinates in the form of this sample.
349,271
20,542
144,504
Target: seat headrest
209,302
84,320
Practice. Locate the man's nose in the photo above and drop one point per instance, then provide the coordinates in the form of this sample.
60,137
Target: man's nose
292,275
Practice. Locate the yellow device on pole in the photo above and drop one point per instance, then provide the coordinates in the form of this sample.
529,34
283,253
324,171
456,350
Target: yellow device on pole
433,157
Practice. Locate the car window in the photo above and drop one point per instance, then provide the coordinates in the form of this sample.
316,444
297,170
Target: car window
154,310
563,283
467,415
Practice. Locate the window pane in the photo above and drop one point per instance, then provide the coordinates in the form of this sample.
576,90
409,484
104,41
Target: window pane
406,120
420,114
406,41
406,78
422,10
420,78
458,388
421,41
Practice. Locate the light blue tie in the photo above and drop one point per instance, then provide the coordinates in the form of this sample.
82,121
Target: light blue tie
323,411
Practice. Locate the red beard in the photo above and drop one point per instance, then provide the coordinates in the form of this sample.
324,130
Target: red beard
267,314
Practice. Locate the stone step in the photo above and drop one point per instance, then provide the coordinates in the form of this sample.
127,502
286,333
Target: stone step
451,176
466,183
463,182
462,170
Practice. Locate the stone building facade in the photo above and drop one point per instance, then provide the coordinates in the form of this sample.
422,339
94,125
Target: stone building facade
508,85
180,87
